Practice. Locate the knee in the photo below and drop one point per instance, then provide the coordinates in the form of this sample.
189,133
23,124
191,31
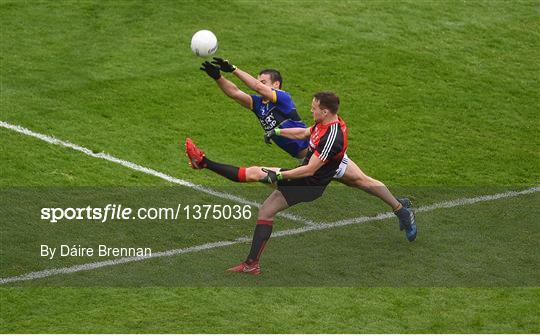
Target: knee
268,210
265,214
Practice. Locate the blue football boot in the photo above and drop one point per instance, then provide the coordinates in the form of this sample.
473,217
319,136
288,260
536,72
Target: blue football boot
407,220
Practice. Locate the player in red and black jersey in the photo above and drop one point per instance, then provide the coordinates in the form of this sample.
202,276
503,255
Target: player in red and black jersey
327,147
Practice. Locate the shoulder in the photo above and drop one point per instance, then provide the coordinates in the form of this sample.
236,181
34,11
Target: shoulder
342,124
281,91
281,95
333,134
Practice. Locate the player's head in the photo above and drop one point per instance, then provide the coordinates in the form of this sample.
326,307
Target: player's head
271,78
324,104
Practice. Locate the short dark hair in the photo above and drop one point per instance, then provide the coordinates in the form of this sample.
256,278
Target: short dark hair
275,76
328,100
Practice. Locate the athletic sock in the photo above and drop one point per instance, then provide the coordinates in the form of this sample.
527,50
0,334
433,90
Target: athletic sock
236,174
263,231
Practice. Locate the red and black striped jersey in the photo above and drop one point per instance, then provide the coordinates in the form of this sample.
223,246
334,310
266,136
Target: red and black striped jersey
329,144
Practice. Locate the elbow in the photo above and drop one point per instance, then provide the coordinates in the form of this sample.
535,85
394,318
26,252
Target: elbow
233,92
259,87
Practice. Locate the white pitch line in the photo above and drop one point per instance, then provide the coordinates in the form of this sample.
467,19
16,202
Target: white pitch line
427,208
283,233
134,166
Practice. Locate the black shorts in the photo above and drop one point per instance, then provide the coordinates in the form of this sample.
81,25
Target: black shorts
300,190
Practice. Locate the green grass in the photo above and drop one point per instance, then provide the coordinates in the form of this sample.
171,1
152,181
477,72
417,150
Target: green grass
441,102
274,310
436,82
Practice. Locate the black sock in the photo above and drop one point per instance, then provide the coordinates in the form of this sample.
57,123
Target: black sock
263,231
236,174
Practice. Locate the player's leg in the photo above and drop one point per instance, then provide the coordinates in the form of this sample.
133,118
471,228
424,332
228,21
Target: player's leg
265,221
255,174
263,230
237,174
355,177
198,160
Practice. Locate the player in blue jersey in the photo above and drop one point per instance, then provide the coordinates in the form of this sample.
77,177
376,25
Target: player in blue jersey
276,111
272,106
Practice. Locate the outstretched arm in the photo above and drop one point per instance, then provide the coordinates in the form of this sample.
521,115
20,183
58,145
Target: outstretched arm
254,84
303,171
231,90
296,133
226,85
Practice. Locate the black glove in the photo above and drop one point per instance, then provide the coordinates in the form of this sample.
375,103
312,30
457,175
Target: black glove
271,176
268,136
211,70
224,65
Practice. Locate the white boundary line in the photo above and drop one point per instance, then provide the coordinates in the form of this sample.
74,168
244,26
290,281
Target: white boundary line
134,166
283,233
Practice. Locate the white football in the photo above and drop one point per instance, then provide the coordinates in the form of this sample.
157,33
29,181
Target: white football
204,43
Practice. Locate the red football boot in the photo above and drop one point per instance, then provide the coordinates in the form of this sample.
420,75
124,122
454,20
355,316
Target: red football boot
194,154
252,268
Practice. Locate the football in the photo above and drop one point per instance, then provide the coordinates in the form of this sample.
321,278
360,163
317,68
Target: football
204,43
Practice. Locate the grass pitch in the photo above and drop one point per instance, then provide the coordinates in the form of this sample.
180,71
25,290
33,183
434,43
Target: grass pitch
441,102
